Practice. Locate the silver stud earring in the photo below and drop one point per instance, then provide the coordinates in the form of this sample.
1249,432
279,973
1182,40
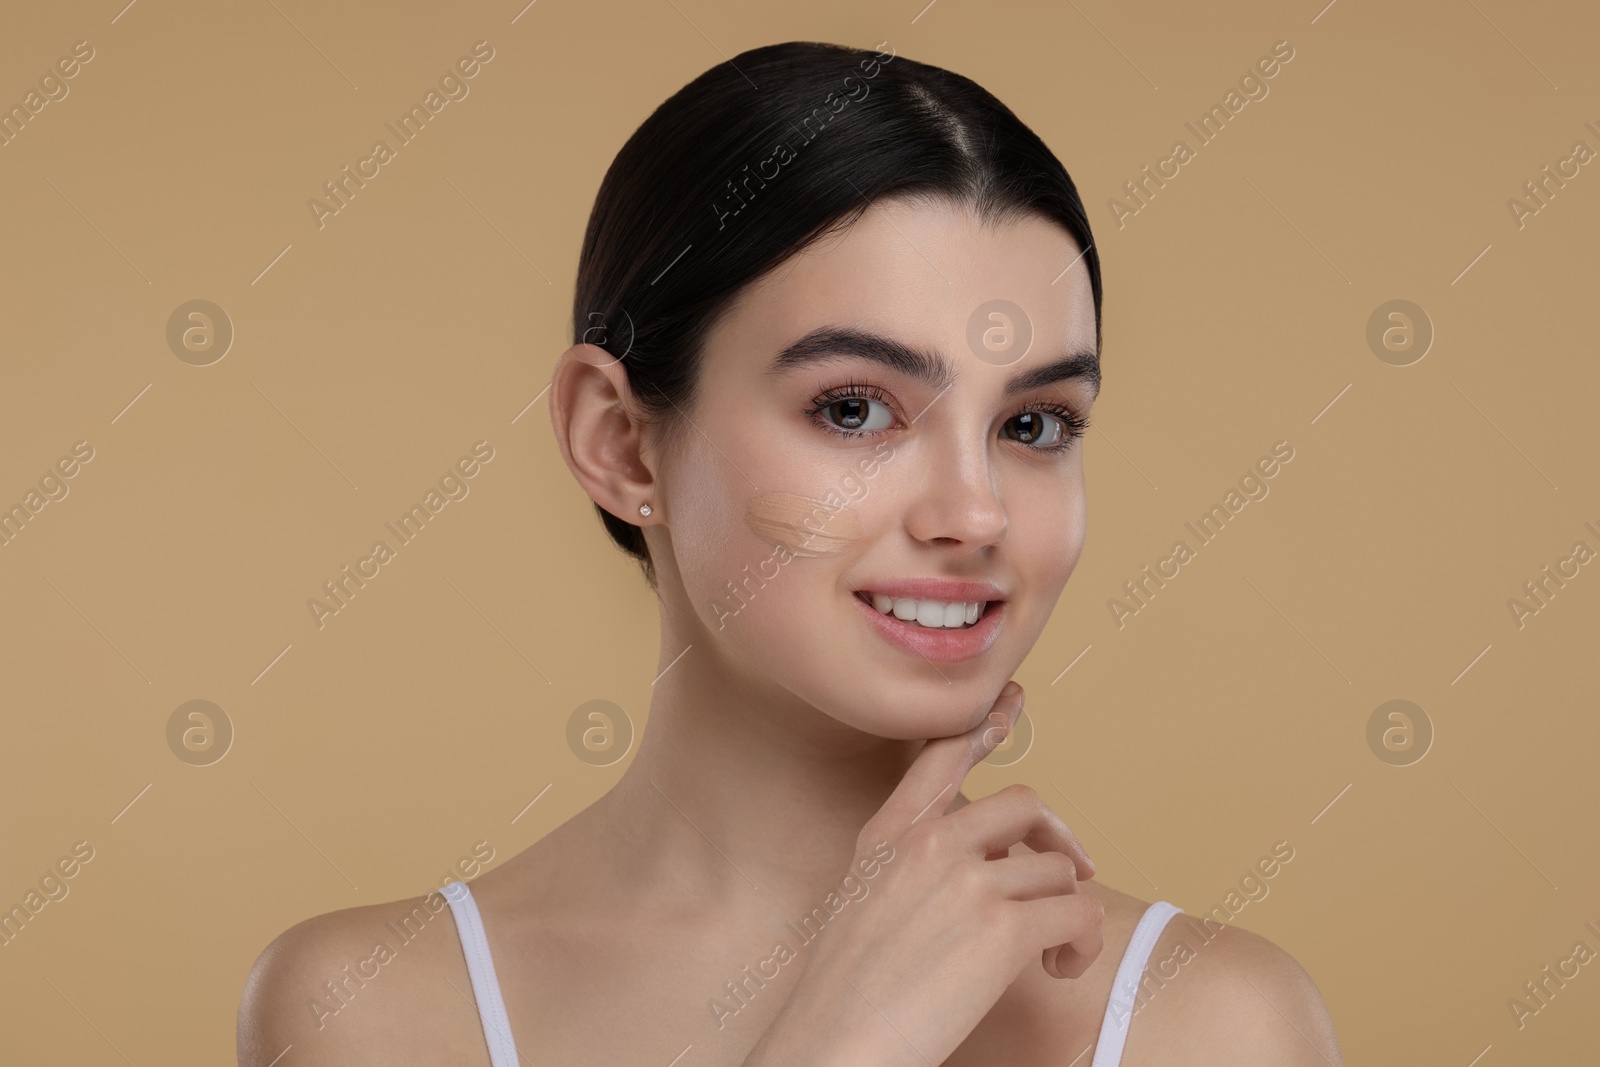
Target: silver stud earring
644,509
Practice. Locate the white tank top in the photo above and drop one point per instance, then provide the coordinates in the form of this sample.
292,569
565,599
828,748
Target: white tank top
503,1050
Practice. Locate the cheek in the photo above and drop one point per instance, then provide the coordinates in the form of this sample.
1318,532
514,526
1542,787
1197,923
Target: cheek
709,542
736,580
1050,529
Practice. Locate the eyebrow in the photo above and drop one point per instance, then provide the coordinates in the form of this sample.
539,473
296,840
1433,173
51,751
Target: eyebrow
830,343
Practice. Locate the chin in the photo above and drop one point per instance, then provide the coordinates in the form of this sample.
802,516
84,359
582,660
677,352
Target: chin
892,710
836,657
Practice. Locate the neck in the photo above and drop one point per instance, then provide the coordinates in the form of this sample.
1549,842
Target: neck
742,795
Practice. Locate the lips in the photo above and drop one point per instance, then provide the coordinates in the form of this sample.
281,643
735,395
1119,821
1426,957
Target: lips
936,645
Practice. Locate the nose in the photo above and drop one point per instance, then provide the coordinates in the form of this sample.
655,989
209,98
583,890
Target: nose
959,502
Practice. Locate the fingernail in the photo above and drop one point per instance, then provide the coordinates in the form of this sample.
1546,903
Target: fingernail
997,732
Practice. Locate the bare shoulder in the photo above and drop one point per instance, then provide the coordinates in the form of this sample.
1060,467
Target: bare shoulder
380,983
1214,994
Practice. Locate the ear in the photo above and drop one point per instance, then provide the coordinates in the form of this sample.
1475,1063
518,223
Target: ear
592,411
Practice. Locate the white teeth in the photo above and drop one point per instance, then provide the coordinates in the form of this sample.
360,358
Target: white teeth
934,614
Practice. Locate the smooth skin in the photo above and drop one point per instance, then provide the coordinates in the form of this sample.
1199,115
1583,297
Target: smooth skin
791,733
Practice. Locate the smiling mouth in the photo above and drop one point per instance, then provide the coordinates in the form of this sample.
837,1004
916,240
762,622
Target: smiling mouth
926,612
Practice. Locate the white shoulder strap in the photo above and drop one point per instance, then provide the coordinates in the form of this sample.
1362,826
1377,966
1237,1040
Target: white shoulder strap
1125,987
480,966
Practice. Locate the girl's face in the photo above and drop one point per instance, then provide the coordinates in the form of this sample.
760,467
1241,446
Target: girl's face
943,414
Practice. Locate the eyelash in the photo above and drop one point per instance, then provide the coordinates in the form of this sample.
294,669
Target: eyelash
1075,424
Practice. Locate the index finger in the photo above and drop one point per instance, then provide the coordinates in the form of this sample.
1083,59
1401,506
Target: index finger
935,776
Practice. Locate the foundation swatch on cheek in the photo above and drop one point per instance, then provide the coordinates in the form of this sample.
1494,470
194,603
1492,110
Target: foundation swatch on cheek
808,527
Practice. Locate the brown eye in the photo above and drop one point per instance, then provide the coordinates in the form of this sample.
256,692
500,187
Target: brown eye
855,413
1034,425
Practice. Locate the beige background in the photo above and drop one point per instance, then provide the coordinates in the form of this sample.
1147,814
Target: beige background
1229,714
